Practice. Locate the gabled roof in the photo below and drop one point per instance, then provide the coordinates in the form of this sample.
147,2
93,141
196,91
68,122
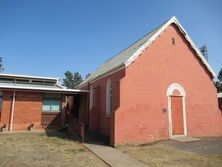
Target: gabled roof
127,56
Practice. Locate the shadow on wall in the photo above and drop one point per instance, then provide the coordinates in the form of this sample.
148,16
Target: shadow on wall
55,120
51,120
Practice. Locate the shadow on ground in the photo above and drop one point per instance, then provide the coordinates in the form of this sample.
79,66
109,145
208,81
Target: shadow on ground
61,134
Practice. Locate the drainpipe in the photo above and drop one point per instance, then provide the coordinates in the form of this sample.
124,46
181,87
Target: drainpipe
12,112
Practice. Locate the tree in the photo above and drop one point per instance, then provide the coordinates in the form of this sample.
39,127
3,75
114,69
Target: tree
87,75
72,79
1,65
218,83
77,79
203,50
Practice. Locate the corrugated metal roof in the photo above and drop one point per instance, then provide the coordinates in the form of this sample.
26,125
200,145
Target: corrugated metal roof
43,87
15,76
29,85
127,56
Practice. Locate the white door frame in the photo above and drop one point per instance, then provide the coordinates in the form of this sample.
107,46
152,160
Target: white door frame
171,88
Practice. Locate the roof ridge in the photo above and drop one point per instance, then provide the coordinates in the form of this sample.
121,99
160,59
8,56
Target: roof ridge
119,53
134,42
130,54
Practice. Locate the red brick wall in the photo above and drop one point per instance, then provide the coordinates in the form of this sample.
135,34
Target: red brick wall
6,108
106,123
143,92
28,108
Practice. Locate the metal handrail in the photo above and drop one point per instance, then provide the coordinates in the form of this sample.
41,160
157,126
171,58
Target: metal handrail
77,126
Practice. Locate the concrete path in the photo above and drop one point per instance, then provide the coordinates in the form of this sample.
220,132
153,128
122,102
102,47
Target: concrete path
113,157
184,138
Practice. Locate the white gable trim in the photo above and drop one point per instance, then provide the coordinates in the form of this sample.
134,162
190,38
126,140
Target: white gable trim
153,38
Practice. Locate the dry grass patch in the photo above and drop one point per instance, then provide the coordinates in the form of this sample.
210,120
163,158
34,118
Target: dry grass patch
37,149
171,154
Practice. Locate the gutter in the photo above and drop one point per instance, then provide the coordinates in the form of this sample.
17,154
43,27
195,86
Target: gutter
44,89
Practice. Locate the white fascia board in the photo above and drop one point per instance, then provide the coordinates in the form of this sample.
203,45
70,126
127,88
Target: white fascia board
29,77
43,89
153,38
102,76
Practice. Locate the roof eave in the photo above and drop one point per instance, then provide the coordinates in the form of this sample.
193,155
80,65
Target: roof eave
44,89
120,67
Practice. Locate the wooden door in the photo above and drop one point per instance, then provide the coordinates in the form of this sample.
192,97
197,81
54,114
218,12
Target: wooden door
177,115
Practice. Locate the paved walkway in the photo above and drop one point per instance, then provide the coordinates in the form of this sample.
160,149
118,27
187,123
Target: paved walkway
113,157
184,138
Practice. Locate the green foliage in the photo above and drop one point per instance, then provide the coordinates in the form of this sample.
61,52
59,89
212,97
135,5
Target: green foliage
87,75
203,50
1,65
218,83
72,79
219,77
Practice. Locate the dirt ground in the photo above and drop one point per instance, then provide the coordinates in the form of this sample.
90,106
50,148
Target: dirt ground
39,149
204,153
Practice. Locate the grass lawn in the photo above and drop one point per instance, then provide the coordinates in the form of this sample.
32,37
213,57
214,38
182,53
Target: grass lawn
37,149
169,153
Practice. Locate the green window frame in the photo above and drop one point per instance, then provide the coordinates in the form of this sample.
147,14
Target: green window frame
51,103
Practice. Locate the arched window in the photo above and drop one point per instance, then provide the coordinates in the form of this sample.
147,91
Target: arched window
109,98
91,98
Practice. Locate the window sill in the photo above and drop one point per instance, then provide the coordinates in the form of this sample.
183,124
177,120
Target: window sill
50,112
108,115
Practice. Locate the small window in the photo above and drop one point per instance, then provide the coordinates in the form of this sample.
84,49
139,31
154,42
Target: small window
22,81
1,97
51,103
6,80
55,105
37,82
173,41
46,105
109,98
91,98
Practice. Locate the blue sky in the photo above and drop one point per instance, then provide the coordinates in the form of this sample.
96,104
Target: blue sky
49,37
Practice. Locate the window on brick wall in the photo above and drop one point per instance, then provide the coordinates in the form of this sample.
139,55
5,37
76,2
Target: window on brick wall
109,98
51,103
91,98
1,95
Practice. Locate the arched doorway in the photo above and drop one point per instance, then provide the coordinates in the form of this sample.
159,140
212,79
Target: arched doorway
176,110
